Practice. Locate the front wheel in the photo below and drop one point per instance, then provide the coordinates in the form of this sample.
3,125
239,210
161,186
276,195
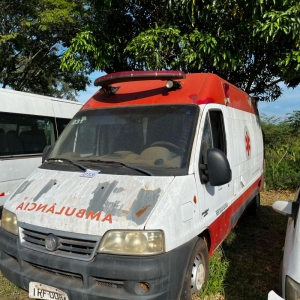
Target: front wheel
197,271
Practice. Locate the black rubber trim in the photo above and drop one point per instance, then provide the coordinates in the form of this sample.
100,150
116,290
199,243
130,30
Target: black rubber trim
237,215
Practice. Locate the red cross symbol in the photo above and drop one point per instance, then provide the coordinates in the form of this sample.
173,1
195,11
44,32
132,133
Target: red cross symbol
248,146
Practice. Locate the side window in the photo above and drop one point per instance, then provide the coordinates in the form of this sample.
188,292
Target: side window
213,136
218,130
24,134
206,142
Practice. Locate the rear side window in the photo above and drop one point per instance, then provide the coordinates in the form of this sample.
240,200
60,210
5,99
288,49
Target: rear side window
25,134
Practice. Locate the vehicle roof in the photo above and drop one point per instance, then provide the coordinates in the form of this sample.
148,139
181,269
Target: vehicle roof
33,104
196,88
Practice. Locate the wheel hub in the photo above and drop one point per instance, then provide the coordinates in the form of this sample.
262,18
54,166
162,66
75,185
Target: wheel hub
197,276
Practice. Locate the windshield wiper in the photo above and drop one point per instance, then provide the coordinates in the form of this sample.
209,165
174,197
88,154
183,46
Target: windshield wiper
68,160
121,164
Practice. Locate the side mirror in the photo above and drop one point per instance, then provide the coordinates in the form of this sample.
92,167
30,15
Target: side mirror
46,152
218,167
286,208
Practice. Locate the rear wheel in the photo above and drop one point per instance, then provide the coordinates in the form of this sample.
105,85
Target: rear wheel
197,271
254,206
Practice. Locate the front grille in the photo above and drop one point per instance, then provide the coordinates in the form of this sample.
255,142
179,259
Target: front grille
71,246
109,283
56,273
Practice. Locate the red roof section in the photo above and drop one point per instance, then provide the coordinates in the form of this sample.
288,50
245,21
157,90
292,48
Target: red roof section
196,88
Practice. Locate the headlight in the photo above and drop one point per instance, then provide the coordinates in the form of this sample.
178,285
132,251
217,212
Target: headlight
292,289
133,242
9,221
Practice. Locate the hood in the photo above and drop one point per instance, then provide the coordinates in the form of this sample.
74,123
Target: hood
66,201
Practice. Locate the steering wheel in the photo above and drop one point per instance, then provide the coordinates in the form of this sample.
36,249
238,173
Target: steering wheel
170,146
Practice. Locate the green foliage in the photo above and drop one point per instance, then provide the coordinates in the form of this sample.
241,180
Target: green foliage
253,44
282,150
218,266
32,38
83,42
110,26
293,120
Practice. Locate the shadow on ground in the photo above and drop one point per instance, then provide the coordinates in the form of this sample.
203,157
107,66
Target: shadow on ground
254,252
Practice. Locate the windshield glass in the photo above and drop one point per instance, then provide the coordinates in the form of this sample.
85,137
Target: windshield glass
156,138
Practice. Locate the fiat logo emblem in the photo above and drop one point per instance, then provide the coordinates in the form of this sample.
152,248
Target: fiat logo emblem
51,243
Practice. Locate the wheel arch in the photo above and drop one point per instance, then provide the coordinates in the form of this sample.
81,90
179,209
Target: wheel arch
205,235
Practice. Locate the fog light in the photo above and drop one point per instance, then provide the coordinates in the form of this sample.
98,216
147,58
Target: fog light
292,289
145,286
141,288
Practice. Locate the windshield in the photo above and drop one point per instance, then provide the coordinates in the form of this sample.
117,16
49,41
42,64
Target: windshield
156,138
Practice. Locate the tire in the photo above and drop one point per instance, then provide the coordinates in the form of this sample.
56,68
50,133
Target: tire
197,271
253,209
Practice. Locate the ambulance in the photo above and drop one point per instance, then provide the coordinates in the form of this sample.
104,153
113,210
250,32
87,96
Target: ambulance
140,189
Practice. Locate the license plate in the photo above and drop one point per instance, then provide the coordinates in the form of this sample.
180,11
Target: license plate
42,291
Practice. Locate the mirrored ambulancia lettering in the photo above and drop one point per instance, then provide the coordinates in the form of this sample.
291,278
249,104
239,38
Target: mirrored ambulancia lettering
66,211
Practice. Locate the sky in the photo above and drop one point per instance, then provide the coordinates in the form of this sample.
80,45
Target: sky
287,103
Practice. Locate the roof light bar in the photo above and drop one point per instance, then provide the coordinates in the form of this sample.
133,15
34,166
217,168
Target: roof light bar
117,77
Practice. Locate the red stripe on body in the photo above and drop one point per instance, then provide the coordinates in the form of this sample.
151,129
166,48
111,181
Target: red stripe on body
221,227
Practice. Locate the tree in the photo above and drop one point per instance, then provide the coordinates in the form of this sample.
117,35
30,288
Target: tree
111,27
253,44
32,39
293,119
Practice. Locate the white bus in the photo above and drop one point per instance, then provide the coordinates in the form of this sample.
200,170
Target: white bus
28,123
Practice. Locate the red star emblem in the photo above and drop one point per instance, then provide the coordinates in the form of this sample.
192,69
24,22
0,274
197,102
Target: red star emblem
248,146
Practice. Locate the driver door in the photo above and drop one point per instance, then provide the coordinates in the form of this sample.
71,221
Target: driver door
214,199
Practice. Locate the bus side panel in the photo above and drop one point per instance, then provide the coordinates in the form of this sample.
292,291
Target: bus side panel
63,109
13,172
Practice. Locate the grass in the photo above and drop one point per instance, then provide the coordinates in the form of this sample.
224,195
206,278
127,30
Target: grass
218,265
245,267
8,291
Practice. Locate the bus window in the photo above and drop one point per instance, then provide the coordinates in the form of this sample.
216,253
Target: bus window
25,134
28,122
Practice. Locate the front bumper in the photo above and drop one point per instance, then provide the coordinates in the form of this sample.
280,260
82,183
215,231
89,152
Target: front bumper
105,277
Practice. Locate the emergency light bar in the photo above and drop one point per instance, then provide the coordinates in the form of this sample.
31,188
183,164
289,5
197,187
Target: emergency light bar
117,77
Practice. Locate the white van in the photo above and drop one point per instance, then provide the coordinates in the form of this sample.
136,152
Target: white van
289,275
140,189
28,123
